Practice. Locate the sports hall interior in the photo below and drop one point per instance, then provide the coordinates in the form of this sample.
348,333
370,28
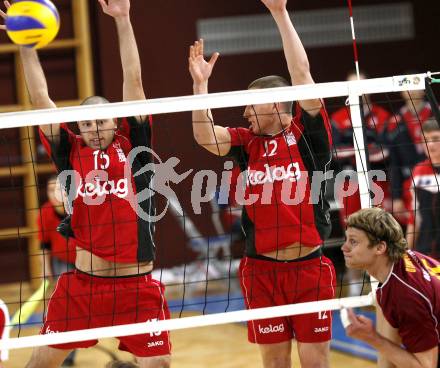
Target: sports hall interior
84,60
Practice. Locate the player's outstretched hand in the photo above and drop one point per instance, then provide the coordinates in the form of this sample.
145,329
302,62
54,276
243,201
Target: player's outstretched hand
360,327
275,5
199,68
115,8
3,14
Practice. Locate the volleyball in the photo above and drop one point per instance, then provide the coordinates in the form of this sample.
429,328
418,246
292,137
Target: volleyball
33,23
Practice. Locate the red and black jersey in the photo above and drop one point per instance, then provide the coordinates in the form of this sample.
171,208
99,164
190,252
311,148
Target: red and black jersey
405,144
279,171
410,301
426,207
103,188
50,238
375,118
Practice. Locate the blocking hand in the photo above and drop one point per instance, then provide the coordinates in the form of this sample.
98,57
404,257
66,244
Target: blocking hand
199,68
115,8
275,5
3,14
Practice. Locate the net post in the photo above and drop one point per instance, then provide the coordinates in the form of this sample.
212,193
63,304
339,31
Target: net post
360,150
361,159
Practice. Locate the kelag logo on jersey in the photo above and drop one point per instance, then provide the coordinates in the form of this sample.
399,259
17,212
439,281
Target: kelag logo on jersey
102,188
272,174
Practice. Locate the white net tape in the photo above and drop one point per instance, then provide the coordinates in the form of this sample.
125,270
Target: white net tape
187,322
213,100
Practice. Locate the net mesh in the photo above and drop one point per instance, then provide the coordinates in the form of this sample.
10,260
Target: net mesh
199,239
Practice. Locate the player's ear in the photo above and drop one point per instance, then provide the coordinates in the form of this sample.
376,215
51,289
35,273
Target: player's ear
381,247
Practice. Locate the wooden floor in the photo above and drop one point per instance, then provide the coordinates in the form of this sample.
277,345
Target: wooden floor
222,346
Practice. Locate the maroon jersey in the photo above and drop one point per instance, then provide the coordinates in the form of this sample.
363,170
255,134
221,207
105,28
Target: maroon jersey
50,238
104,220
410,301
279,172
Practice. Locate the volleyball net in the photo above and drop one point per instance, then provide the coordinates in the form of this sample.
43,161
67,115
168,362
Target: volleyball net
199,238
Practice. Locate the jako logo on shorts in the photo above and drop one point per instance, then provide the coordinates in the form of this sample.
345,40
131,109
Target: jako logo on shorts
154,344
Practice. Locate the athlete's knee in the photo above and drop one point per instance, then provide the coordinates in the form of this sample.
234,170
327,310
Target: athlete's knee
314,355
163,361
276,356
46,357
278,362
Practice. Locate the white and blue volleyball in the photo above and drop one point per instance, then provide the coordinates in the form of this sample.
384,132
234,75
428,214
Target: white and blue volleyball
33,23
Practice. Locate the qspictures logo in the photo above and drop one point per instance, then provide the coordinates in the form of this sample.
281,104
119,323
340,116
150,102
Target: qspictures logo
254,186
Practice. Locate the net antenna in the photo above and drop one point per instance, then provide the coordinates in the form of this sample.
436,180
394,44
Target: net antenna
355,102
353,89
353,36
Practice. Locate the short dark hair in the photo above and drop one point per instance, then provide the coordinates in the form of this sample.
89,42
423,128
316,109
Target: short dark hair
52,177
273,81
95,100
430,125
270,81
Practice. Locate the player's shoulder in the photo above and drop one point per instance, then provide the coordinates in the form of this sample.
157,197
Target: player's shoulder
240,130
423,168
341,118
47,206
380,112
241,135
46,210
426,260
413,272
70,134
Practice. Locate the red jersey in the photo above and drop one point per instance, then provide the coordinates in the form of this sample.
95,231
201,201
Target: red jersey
104,219
425,208
50,238
410,301
375,119
280,217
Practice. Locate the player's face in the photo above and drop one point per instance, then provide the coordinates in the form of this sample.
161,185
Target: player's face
432,146
54,193
97,134
356,250
262,118
411,97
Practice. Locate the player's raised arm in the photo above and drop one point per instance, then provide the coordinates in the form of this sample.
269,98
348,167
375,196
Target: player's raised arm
214,138
131,65
296,56
36,84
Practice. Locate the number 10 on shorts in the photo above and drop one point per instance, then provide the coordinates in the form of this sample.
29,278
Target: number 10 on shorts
153,333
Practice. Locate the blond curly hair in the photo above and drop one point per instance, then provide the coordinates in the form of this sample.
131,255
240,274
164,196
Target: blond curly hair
380,225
